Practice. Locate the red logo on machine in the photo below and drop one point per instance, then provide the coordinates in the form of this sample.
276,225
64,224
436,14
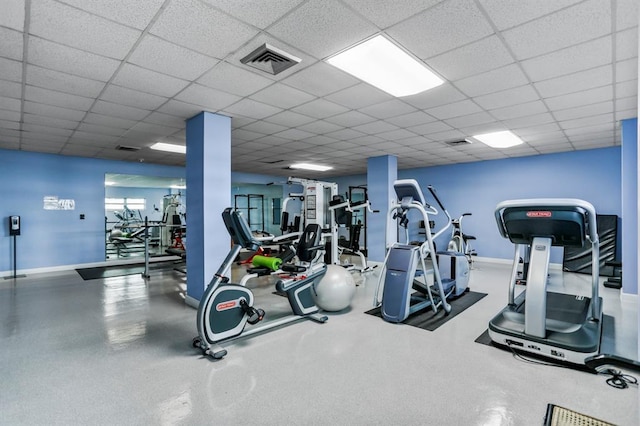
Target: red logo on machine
539,214
226,305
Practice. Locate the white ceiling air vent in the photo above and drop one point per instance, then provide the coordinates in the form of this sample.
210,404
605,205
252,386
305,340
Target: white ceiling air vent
127,148
458,142
270,59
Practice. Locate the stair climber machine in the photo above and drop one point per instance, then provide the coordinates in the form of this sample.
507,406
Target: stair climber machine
225,308
404,264
559,326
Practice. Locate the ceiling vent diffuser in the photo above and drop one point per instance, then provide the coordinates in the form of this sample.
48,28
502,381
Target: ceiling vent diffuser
458,142
270,59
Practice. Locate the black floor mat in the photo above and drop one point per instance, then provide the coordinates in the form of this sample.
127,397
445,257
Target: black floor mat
122,270
428,320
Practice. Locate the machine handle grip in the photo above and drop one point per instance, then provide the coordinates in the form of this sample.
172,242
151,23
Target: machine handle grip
435,196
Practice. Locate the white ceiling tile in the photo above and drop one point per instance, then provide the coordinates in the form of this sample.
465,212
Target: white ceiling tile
208,32
251,108
290,119
319,140
427,128
50,97
320,109
101,130
37,146
10,89
10,143
447,135
158,55
521,110
492,81
582,80
504,15
282,96
235,80
9,125
627,88
294,134
586,97
29,127
587,130
411,119
256,12
481,117
479,129
388,109
264,127
359,96
72,27
107,120
49,121
63,82
130,97
80,150
626,44
533,136
587,121
395,135
429,33
529,120
152,129
375,127
441,95
574,25
365,140
322,28
345,134
121,10
73,61
601,132
165,119
211,99
320,127
455,109
11,104
245,135
626,70
474,58
626,14
584,111
116,110
517,95
570,60
7,115
11,46
321,79
630,113
137,78
10,70
384,13
350,119
180,109
53,111
12,15
626,103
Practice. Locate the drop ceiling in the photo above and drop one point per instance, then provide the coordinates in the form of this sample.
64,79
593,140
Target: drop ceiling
82,77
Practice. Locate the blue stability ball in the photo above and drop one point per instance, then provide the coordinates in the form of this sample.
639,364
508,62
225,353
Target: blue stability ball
336,289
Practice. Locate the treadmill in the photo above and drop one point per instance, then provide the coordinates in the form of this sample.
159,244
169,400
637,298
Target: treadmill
559,326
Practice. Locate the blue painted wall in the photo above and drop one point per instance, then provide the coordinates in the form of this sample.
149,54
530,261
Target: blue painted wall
593,175
630,205
57,237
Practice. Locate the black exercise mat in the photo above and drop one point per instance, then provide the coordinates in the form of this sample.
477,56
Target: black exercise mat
428,320
120,271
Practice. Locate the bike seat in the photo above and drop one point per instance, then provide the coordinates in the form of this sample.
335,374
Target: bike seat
468,237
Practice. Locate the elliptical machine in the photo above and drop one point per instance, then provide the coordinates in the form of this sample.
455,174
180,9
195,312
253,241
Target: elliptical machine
405,263
225,309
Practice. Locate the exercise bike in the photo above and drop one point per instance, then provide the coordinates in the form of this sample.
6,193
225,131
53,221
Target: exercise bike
226,309
404,269
461,242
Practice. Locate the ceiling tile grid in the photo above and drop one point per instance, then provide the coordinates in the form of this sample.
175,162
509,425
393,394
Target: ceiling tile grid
559,74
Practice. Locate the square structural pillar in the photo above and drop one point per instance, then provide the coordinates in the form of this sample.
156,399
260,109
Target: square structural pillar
630,179
381,173
208,194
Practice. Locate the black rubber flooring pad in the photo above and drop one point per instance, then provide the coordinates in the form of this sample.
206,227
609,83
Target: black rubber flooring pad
428,320
120,271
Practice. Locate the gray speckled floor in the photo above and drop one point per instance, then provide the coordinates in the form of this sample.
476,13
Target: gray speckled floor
118,351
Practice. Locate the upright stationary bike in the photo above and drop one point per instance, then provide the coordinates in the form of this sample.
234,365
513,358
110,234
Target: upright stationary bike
225,309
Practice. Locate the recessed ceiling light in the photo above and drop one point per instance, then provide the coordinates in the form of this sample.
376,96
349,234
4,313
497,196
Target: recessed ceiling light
108,183
386,66
162,146
504,139
308,166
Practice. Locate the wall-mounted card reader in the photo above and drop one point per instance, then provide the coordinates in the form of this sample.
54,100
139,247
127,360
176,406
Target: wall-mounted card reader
14,225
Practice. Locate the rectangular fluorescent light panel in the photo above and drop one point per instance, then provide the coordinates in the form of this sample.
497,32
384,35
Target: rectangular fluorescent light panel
162,146
504,139
308,166
386,66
